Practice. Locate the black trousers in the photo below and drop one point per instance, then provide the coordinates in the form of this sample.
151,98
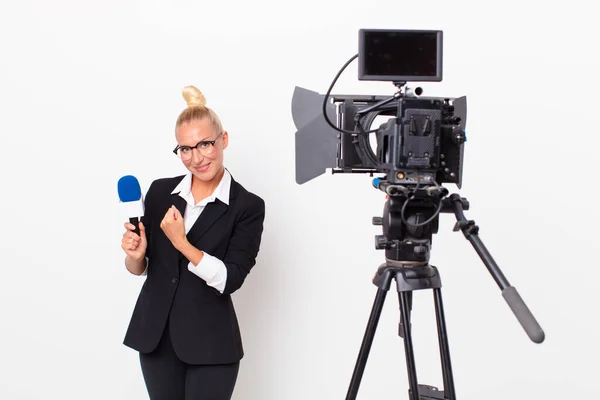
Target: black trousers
168,378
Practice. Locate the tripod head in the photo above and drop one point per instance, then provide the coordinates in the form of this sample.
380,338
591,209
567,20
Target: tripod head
410,219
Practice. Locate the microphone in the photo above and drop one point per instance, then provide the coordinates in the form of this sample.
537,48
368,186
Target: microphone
130,195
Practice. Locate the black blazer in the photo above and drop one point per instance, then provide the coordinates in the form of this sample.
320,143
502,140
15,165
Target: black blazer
202,321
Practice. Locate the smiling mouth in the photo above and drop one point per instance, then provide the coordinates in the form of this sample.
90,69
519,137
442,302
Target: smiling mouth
202,168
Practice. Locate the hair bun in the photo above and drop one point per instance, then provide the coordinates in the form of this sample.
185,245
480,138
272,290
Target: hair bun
193,97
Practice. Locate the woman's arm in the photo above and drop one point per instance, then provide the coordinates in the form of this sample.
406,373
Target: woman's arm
242,248
244,244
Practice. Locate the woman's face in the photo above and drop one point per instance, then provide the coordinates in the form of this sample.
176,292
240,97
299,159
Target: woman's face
205,161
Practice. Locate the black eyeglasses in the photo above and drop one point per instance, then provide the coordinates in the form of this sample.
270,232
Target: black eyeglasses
205,147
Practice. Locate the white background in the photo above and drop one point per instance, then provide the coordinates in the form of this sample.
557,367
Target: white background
90,92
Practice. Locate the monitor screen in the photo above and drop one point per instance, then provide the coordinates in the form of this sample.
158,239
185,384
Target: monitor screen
400,55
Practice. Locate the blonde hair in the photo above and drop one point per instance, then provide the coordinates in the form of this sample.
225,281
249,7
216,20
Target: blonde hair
197,109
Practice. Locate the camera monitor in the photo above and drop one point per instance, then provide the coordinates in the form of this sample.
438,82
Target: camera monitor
400,55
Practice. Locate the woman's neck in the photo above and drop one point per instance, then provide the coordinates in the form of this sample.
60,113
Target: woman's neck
203,189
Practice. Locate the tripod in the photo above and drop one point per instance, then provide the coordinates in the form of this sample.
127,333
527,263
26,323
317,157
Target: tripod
409,220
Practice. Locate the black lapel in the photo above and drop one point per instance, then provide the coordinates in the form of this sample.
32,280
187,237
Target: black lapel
179,203
211,213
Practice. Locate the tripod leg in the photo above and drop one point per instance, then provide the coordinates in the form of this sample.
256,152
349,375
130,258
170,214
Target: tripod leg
366,344
405,299
444,348
401,324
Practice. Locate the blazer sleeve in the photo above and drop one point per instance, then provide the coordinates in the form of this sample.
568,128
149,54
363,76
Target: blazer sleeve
244,244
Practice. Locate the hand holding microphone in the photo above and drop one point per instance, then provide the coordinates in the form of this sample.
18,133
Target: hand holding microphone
134,239
133,244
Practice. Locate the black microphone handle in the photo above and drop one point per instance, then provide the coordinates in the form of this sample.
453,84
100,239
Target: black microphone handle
136,222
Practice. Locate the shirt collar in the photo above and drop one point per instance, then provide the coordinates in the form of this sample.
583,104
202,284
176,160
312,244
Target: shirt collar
221,192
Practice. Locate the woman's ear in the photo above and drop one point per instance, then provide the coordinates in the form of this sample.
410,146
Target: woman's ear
225,138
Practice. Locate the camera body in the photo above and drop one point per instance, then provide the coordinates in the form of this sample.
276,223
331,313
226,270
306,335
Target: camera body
422,141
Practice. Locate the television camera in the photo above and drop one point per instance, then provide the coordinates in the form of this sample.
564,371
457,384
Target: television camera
418,148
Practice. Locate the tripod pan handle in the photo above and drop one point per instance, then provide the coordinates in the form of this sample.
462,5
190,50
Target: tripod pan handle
525,317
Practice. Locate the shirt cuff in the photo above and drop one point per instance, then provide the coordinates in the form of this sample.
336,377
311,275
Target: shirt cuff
212,270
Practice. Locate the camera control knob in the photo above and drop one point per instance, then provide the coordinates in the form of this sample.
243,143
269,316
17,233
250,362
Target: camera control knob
377,221
420,250
458,136
381,242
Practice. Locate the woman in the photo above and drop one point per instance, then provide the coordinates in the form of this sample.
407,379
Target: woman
199,238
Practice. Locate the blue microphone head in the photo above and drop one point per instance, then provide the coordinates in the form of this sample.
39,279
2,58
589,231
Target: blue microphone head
129,189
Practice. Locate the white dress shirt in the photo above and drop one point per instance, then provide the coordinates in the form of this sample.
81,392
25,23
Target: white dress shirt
210,268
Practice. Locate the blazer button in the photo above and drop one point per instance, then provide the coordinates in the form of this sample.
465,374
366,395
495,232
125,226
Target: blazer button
175,280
